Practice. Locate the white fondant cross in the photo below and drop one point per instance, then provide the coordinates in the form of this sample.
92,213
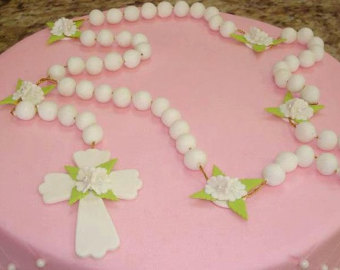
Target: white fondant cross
95,232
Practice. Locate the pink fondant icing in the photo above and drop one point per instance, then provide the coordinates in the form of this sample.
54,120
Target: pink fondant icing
221,88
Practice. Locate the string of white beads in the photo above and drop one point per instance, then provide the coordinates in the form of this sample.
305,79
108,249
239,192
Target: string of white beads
164,9
327,163
85,119
327,140
67,115
181,9
114,16
121,97
197,10
142,100
92,134
131,13
148,10
305,132
305,155
25,110
103,93
47,110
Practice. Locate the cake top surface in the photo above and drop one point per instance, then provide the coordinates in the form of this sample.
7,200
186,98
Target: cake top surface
221,88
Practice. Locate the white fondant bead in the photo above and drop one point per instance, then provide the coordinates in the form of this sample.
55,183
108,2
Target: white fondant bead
197,10
305,132
326,163
273,174
94,65
114,16
169,116
85,119
96,17
113,61
40,263
181,9
66,86
148,10
316,41
281,77
280,65
327,140
185,142
324,267
131,13
124,38
67,115
295,83
131,58
305,155
293,62
84,89
93,134
289,34
25,110
11,266
215,22
304,35
288,161
105,37
307,58
144,49
179,128
209,12
121,97
75,65
56,72
304,264
195,158
318,52
159,105
48,110
88,38
103,93
139,38
311,94
164,9
142,100
227,28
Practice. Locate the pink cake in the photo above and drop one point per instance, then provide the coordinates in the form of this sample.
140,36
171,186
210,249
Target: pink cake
221,87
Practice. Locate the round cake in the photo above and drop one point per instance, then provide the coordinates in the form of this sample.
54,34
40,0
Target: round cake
221,88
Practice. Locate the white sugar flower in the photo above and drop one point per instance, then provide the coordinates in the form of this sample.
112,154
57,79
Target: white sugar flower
259,37
64,27
92,178
224,188
297,108
29,92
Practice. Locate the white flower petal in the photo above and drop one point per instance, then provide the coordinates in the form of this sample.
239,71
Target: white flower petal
125,183
56,187
223,204
95,233
91,157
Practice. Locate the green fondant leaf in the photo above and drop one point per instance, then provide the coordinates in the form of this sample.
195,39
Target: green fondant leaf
78,23
251,183
298,121
76,35
72,171
278,41
108,165
239,38
217,171
259,48
76,195
55,38
288,96
108,195
8,100
202,195
239,207
47,89
317,108
50,24
19,83
275,111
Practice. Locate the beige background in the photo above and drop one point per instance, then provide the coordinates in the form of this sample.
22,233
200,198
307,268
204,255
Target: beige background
19,19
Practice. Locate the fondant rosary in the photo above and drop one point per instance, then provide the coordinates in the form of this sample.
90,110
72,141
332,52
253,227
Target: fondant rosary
93,179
